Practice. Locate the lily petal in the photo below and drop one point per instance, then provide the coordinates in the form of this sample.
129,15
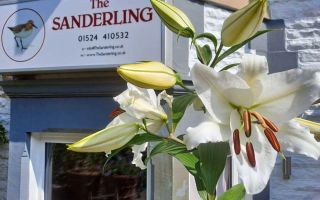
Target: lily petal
255,178
140,103
206,131
137,155
253,66
216,90
122,119
164,96
297,138
153,125
286,95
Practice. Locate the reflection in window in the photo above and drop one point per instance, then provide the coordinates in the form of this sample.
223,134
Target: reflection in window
83,176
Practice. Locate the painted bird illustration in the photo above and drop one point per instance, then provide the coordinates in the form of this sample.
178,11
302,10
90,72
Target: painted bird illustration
22,31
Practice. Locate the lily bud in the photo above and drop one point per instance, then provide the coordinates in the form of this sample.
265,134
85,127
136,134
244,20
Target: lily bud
174,18
106,140
314,127
244,23
151,75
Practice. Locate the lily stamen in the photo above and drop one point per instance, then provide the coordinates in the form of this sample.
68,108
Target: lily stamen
116,112
271,125
250,154
259,118
236,141
247,123
272,139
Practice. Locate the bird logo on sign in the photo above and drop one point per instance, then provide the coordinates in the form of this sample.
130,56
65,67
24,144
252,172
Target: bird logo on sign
21,32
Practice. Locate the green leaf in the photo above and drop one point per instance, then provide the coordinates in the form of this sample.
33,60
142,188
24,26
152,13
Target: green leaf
204,54
209,36
238,46
177,150
229,66
189,161
201,188
212,158
179,107
237,192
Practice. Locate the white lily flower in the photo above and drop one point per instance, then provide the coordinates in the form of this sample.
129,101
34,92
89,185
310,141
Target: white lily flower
137,155
139,103
257,108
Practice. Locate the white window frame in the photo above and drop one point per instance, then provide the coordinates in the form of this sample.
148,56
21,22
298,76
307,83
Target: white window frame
33,167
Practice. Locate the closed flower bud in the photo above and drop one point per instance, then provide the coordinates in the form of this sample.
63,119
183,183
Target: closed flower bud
244,23
106,140
174,18
314,127
151,75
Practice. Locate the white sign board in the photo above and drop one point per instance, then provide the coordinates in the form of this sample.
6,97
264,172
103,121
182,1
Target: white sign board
77,34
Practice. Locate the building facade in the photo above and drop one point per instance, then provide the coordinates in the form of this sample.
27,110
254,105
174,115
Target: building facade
45,103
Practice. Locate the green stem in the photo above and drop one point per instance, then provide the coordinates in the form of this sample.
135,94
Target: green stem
211,197
168,127
180,83
173,137
214,62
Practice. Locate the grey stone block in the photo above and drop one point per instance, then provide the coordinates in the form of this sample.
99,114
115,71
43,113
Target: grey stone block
276,38
281,61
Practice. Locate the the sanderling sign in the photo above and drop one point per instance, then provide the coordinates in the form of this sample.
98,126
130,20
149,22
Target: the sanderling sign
72,34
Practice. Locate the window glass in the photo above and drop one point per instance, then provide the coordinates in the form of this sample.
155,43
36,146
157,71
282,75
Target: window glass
85,176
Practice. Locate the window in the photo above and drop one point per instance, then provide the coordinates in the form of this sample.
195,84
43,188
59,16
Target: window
54,173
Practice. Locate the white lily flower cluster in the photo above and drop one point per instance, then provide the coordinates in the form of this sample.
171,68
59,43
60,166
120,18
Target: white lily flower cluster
254,111
138,104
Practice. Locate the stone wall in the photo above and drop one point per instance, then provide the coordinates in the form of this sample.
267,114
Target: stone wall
4,170
4,149
302,35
